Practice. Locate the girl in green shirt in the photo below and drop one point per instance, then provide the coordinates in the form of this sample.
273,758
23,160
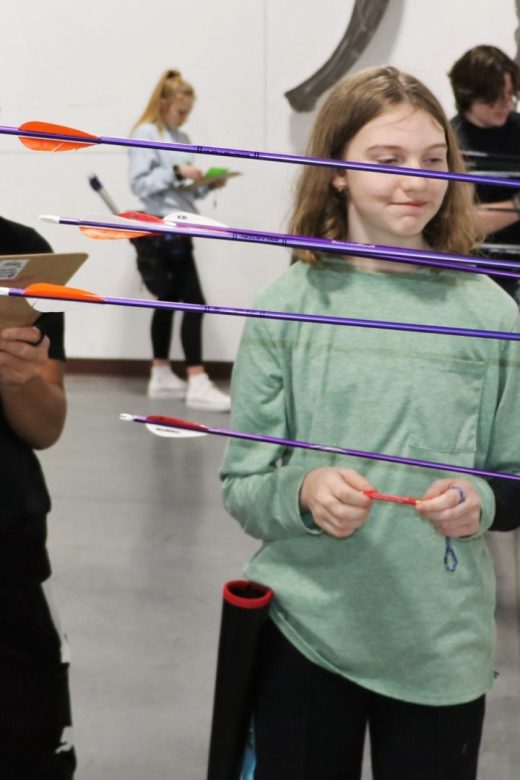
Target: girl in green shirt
369,629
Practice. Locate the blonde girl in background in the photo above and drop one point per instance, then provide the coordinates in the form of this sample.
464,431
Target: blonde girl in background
166,263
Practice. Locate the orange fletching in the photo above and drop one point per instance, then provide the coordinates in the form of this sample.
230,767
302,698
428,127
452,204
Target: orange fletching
54,144
112,233
45,290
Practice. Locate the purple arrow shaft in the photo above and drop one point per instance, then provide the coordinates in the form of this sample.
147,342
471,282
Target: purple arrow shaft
234,311
251,154
305,445
399,254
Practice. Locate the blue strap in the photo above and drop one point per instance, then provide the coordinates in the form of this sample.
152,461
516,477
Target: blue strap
450,556
249,763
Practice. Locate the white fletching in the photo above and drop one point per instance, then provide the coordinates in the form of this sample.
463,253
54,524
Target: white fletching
173,433
164,430
185,217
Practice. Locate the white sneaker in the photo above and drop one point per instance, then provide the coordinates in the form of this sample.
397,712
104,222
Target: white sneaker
165,384
202,394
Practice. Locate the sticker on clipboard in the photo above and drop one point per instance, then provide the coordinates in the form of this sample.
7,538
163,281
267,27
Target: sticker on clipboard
10,269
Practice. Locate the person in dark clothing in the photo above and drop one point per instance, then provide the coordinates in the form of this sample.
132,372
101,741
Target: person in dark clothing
35,717
485,83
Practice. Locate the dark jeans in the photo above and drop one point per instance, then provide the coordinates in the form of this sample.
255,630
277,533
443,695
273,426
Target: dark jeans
168,270
310,724
35,716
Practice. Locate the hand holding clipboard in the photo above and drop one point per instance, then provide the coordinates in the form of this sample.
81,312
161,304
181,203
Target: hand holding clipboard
213,178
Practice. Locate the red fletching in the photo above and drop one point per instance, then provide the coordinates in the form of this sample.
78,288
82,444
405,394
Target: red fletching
141,215
174,422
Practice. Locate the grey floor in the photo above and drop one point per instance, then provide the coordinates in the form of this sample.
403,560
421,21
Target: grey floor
141,548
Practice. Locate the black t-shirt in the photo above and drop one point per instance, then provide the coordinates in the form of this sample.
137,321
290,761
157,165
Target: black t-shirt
504,140
25,499
493,140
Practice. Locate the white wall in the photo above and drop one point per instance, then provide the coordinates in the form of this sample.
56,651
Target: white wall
92,66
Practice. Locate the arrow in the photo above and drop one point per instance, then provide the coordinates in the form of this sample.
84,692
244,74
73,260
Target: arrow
49,137
40,292
45,290
121,227
173,427
501,249
161,425
473,154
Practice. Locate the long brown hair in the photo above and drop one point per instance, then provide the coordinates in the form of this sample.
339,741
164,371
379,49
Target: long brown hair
168,88
321,211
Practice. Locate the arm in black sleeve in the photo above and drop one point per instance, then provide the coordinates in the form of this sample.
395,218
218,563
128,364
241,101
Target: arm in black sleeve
507,500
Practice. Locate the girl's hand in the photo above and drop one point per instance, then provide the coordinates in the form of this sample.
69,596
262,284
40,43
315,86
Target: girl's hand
190,172
452,506
335,499
23,353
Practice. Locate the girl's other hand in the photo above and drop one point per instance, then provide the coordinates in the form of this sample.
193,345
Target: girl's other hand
335,498
191,172
23,353
452,506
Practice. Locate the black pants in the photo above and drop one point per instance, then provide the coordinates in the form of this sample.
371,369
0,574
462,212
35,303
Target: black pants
35,718
168,270
310,724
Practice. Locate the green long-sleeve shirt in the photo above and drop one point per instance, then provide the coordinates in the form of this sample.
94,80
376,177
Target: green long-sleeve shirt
378,607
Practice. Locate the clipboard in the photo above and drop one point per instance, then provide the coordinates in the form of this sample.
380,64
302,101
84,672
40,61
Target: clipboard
25,269
212,176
